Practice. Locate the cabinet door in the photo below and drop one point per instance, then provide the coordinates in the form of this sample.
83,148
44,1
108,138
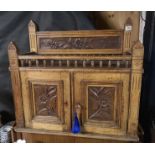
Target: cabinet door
104,101
46,99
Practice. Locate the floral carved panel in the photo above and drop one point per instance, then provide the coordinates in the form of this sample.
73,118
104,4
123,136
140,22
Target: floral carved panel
100,103
106,42
45,97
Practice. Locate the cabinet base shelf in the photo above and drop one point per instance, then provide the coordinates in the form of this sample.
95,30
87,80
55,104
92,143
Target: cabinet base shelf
31,134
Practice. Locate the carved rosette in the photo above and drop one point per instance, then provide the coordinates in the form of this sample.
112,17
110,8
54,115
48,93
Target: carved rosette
32,36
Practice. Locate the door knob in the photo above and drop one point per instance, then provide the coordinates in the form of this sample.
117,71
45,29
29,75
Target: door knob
78,111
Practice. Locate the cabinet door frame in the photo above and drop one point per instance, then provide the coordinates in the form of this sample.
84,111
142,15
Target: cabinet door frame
121,82
60,122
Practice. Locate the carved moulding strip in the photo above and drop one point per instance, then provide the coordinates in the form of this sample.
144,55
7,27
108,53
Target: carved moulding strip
104,42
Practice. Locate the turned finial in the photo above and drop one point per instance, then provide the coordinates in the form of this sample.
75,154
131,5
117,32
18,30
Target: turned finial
12,54
12,50
128,25
31,23
12,46
32,26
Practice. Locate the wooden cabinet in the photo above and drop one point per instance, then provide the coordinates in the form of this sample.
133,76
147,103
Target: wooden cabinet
96,74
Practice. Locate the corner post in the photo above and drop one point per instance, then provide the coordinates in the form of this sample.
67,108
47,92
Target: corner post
135,87
32,36
16,84
127,35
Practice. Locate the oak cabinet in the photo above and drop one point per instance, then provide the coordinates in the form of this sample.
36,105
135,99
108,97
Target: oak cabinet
96,74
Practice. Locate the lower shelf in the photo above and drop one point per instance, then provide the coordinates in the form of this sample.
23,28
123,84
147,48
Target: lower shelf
85,137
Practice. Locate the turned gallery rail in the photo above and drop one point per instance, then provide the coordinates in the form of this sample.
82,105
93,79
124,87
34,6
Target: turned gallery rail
75,61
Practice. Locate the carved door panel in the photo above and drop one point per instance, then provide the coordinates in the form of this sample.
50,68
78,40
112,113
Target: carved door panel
46,99
104,101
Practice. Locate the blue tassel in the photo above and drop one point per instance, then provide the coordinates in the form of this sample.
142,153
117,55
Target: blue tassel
76,124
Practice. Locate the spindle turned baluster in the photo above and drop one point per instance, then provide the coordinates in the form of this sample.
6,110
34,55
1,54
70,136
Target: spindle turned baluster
68,63
29,63
109,63
22,63
37,63
52,63
84,63
127,64
92,63
118,63
44,63
101,63
60,63
75,63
